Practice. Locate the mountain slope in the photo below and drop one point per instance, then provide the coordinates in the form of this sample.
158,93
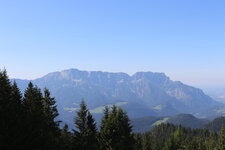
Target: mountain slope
143,94
186,120
216,124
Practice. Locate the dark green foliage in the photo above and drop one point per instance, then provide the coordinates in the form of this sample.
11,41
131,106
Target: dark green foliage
222,139
116,130
10,113
51,125
85,137
16,98
50,108
35,118
216,124
141,125
147,142
26,122
187,120
172,137
138,142
175,141
65,139
211,141
92,138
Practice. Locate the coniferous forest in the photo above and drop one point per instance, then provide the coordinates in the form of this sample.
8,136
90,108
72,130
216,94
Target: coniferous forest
29,122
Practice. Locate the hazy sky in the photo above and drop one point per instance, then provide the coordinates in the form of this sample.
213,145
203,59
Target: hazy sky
183,38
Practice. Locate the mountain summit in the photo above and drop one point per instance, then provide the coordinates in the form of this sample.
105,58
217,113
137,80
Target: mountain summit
142,94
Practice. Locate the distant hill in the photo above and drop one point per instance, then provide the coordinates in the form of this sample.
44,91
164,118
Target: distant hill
145,124
186,120
142,94
216,124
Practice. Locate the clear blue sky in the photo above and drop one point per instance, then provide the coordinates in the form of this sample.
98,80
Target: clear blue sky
183,38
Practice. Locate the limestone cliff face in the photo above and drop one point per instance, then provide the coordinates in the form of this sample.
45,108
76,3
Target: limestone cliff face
144,93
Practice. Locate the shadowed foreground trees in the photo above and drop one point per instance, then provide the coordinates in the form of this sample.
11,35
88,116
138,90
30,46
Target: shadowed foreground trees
10,114
116,130
29,122
85,135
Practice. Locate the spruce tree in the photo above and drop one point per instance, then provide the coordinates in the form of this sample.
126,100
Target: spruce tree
138,141
5,117
175,141
5,89
222,139
211,141
35,118
51,125
29,122
92,135
146,142
50,108
10,112
116,131
86,133
16,97
17,112
65,139
104,142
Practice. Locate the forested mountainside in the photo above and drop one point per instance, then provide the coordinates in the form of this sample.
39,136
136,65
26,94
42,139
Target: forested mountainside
186,120
216,124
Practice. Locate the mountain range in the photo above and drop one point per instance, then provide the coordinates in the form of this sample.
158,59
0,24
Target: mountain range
142,94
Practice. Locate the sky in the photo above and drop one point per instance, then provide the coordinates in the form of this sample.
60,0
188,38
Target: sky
183,38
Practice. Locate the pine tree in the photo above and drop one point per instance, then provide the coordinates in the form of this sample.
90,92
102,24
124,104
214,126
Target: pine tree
5,89
175,141
116,130
10,112
211,141
146,142
17,112
222,139
103,130
51,125
106,115
65,139
92,136
50,107
16,97
86,133
35,118
5,95
125,129
29,122
138,141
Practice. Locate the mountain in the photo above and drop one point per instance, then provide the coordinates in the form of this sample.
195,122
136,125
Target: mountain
186,120
142,94
216,92
141,125
216,124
